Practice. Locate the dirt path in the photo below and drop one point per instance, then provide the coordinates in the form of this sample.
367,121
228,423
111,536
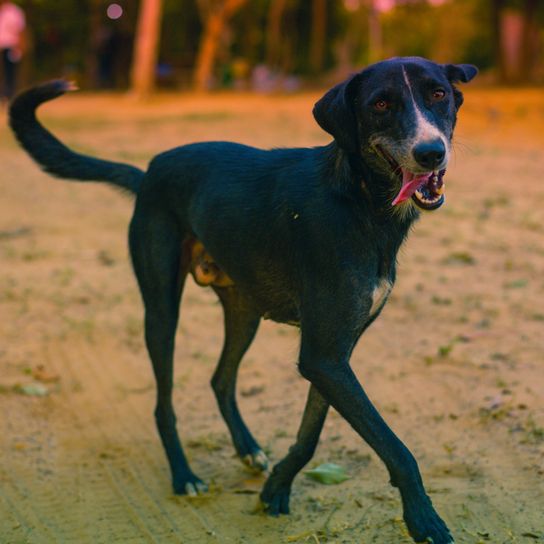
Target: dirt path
454,362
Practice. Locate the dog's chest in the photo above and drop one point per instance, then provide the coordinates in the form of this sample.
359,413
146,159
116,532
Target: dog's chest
379,296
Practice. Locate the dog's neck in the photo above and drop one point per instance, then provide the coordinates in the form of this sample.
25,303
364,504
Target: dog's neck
371,192
371,187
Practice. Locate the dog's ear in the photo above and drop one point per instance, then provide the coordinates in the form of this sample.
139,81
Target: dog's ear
456,73
460,72
335,114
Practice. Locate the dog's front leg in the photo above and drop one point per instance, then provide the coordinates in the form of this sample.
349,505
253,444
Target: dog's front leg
324,362
277,490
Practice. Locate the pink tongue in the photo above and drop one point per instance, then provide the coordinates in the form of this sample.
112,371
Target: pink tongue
410,182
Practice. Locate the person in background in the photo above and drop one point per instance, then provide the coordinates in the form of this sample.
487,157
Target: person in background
12,26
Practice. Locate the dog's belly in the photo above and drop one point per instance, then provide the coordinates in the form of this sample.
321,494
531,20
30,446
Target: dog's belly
287,315
268,297
273,301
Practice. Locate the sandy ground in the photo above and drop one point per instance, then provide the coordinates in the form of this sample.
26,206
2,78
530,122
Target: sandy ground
454,363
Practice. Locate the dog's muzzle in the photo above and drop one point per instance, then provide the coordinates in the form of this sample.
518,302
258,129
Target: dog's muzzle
426,190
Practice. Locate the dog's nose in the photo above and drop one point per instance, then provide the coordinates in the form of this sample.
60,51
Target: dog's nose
429,155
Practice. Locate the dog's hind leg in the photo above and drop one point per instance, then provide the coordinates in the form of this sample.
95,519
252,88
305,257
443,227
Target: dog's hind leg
156,247
277,489
241,323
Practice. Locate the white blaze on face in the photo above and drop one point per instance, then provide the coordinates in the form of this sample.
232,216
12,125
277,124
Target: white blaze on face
425,130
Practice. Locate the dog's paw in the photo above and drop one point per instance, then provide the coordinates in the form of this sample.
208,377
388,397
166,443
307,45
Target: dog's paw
192,489
275,497
425,525
256,461
276,504
190,486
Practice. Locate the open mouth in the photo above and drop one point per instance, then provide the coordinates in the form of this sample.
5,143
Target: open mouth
425,188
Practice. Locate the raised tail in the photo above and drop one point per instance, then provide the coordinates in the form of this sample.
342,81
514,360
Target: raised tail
51,154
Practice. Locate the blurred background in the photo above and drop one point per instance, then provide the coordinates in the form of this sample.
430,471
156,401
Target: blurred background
271,45
454,363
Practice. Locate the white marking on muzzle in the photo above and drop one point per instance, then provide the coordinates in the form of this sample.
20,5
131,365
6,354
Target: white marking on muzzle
425,131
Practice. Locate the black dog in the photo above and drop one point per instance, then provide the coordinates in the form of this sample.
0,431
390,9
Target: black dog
301,236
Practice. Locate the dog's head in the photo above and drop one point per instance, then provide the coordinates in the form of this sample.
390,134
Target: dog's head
399,115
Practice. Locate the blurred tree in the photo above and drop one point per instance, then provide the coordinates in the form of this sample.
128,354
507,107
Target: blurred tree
205,39
318,35
59,32
375,48
215,14
180,34
146,47
517,39
274,41
530,41
91,60
497,7
250,30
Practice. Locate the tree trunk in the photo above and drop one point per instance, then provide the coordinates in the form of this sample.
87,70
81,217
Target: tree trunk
496,18
318,36
273,33
215,18
530,39
146,48
91,64
374,33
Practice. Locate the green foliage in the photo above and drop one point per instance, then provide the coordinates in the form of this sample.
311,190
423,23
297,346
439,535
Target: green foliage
180,33
63,34
455,31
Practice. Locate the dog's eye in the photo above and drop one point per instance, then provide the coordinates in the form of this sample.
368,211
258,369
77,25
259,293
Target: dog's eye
381,105
438,94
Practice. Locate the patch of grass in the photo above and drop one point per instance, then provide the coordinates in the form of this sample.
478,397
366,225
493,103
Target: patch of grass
63,276
105,258
532,224
134,327
449,448
496,201
533,433
201,356
441,301
34,254
516,284
498,411
208,442
84,327
499,356
445,350
460,257
17,232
